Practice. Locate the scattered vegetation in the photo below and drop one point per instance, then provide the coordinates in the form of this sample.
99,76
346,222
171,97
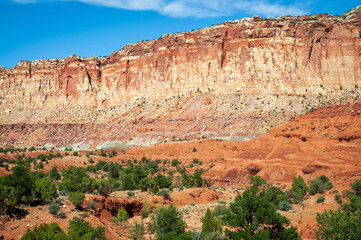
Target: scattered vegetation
78,229
252,215
344,223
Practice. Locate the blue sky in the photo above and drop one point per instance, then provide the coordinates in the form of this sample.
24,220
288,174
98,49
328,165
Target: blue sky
36,29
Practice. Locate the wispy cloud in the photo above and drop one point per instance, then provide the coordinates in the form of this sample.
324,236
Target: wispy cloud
198,8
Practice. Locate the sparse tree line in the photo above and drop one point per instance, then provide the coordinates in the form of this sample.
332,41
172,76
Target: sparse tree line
252,215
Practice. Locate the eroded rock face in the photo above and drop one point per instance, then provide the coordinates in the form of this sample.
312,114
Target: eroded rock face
277,56
309,56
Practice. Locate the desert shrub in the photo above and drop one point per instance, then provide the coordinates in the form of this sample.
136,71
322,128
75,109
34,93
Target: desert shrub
257,180
155,189
193,180
253,216
168,223
102,153
338,198
81,229
356,187
319,185
77,198
39,166
175,162
130,194
136,232
75,153
289,193
299,189
84,215
54,208
146,184
76,180
284,206
92,205
197,161
107,186
162,192
16,188
122,214
62,215
44,190
45,231
320,199
214,236
275,195
220,210
210,223
54,174
328,185
344,223
163,181
145,209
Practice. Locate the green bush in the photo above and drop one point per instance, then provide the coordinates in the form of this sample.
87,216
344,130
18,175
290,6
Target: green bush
320,199
338,198
130,194
253,216
54,174
75,180
257,180
299,189
168,223
220,210
162,192
289,193
45,190
77,198
319,185
45,231
136,232
210,223
75,153
175,162
155,189
328,185
275,195
356,187
344,223
81,229
54,208
284,206
92,205
122,215
214,236
145,209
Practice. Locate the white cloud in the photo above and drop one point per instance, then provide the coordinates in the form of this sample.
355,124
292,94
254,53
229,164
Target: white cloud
197,8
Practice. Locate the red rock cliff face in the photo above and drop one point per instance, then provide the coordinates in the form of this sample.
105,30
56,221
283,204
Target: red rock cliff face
278,56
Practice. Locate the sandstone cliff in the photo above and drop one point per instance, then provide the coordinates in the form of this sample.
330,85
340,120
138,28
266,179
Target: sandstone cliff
275,56
302,58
